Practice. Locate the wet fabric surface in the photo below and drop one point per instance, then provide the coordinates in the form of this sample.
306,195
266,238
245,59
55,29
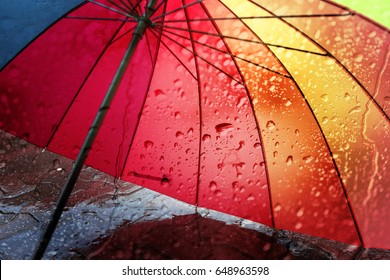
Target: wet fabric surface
108,219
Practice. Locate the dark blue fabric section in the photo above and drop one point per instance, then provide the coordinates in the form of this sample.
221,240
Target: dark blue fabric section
22,20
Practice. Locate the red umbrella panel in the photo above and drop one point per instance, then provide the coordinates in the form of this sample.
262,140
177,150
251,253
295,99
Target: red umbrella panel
273,111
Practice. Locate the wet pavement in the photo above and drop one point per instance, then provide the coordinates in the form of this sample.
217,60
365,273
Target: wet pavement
110,219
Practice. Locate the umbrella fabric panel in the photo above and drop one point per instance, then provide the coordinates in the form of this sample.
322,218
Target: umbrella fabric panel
165,150
359,147
299,164
360,45
232,171
111,147
59,59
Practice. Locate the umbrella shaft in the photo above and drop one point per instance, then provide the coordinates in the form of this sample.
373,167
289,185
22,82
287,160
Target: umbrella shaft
78,164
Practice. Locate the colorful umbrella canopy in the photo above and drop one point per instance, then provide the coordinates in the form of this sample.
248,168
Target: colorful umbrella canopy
274,111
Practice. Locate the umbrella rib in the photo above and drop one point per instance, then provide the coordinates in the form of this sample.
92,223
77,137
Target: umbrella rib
125,5
241,39
83,83
205,60
123,9
261,17
326,142
230,54
137,7
100,18
144,102
255,119
177,10
123,35
173,53
112,9
131,5
199,107
158,7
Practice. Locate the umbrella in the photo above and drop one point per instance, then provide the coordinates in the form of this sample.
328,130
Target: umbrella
276,112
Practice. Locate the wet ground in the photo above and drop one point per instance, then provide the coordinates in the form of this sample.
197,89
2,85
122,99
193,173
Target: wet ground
110,219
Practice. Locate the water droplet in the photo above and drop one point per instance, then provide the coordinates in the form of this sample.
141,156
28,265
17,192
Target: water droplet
300,212
179,135
224,128
308,159
325,97
257,145
387,99
178,82
289,160
148,145
250,198
356,109
359,58
177,115
277,208
270,125
241,101
298,226
288,103
213,186
206,138
372,34
241,145
159,93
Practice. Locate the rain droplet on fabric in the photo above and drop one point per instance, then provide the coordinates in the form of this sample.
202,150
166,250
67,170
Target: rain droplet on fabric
347,96
241,102
270,125
148,145
300,212
307,159
213,186
358,58
289,160
206,138
298,226
356,109
178,82
179,135
159,93
277,208
224,128
288,103
257,145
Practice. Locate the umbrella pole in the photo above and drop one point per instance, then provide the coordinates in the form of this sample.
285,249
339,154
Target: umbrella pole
143,23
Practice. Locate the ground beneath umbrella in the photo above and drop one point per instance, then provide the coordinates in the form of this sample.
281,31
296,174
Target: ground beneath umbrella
108,219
